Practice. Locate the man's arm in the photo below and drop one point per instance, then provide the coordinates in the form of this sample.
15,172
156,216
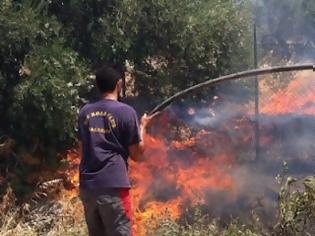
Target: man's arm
136,150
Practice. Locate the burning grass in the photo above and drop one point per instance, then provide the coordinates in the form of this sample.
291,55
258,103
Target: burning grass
216,167
64,217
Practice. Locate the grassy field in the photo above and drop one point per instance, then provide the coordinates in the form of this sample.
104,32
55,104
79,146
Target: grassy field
62,214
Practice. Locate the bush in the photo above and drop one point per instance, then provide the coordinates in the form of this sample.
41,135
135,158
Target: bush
297,207
41,82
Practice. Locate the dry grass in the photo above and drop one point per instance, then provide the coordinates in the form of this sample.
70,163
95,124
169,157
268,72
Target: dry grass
52,218
50,211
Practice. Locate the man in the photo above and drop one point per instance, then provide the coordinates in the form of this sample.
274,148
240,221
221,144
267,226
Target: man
109,134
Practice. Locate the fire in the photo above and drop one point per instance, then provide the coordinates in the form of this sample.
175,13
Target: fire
155,212
175,175
297,98
72,174
165,183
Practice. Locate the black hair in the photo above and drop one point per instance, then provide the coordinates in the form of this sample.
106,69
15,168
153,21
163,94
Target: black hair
107,78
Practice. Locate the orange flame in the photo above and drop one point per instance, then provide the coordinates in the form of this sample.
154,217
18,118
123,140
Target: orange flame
175,175
297,98
72,174
164,182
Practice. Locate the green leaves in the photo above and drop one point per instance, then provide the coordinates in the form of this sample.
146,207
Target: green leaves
178,42
41,85
52,94
297,207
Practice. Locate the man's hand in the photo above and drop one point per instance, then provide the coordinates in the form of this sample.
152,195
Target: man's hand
146,120
136,151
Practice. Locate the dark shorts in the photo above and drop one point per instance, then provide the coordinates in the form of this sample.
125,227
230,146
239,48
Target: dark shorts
107,212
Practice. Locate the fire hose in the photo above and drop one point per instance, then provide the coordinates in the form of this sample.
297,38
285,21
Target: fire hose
244,74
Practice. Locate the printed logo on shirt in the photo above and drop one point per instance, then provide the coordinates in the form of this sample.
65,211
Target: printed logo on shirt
97,115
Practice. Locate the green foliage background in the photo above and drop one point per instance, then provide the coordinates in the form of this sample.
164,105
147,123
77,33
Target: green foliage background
49,48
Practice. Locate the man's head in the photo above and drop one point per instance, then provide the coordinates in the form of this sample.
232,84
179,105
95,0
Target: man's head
108,79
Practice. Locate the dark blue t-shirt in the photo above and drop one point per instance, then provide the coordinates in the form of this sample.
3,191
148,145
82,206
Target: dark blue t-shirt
106,129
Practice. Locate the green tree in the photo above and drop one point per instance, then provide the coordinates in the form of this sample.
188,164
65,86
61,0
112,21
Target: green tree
169,44
40,81
180,43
